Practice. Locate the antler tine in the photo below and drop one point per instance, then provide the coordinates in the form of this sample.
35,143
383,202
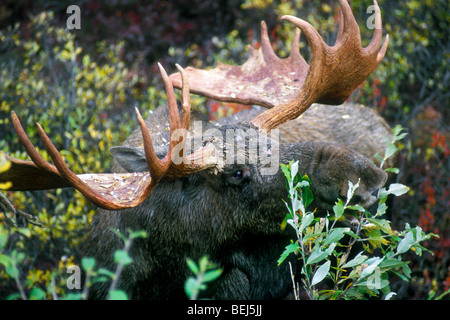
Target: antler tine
29,147
266,46
185,99
67,174
295,50
375,44
348,27
334,72
183,164
341,26
173,108
185,111
86,189
175,122
312,35
287,87
156,167
113,191
197,161
377,38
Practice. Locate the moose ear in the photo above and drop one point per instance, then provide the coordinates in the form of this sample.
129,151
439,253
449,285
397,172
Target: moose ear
132,159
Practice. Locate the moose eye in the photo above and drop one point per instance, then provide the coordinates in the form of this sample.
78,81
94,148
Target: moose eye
238,175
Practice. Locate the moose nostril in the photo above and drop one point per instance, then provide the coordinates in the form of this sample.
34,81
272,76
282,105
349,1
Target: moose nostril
375,193
356,199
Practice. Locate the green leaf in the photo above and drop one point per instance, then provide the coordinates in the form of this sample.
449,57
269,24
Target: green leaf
190,287
382,224
212,275
297,204
192,266
393,263
319,255
357,207
306,221
392,170
5,260
360,258
307,196
377,281
294,169
37,294
287,173
396,132
338,209
13,296
12,271
378,157
3,238
372,265
318,236
289,249
106,272
138,234
390,150
406,276
442,295
352,234
406,243
303,184
121,256
118,295
203,263
73,296
25,231
88,263
10,266
382,209
100,279
396,189
335,235
397,129
18,256
390,295
351,189
321,273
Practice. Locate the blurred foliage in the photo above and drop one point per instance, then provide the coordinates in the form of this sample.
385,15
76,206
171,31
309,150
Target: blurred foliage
81,86
79,100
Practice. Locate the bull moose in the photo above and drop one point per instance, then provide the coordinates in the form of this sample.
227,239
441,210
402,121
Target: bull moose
220,194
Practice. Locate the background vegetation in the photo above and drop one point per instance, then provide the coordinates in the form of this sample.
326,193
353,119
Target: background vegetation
81,86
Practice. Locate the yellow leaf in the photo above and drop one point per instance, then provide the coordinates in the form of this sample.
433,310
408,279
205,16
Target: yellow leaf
5,186
5,164
65,55
374,236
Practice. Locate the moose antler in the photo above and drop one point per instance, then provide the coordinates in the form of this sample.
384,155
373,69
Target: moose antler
289,86
111,191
